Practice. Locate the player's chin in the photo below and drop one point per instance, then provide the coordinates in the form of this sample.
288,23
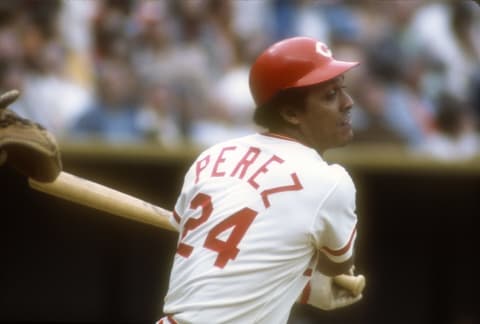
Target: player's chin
345,136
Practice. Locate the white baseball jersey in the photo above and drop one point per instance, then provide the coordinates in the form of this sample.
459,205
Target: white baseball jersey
251,215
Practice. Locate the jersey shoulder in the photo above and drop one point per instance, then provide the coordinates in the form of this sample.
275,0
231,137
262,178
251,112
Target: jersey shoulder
342,183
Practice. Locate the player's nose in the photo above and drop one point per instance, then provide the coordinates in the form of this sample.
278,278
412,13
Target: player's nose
347,102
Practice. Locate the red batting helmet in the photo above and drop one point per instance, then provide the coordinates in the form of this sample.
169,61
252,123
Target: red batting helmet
291,63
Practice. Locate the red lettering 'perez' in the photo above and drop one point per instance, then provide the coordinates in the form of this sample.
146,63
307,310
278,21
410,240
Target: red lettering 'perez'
225,161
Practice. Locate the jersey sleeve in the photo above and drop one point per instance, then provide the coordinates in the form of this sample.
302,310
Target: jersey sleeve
181,203
175,219
334,228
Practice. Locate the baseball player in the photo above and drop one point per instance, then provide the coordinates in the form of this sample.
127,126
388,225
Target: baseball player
264,221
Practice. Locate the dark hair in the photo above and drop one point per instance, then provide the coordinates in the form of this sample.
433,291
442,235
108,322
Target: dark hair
268,115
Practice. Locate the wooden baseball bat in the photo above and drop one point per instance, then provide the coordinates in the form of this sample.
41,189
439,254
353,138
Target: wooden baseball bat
97,196
94,195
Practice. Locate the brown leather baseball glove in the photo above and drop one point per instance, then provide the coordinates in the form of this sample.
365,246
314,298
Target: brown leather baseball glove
25,145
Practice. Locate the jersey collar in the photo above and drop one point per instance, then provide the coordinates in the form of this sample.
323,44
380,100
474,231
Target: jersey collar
270,134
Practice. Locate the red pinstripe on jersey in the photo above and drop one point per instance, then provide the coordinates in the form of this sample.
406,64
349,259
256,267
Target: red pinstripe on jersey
344,249
306,293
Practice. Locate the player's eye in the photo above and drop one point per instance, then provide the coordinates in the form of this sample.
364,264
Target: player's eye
331,94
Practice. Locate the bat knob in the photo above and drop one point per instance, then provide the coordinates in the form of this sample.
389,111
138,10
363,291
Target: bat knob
360,285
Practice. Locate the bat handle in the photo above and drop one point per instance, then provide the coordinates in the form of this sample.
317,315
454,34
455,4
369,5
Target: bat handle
355,284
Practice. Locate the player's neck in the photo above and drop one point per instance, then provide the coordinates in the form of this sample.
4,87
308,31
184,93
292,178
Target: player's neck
294,135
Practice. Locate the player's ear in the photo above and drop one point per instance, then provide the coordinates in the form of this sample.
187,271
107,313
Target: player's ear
290,114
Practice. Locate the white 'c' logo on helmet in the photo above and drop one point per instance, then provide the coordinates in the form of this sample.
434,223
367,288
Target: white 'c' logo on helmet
323,49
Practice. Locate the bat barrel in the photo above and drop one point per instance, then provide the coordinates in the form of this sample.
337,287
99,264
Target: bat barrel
97,196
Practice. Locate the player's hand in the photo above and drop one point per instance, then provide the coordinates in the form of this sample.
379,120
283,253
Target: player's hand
25,145
327,295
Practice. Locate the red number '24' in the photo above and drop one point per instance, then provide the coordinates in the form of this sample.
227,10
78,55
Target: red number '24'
227,250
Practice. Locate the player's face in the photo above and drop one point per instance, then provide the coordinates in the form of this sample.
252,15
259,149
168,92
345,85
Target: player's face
326,121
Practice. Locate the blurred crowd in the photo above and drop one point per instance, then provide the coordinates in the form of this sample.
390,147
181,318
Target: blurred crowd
176,71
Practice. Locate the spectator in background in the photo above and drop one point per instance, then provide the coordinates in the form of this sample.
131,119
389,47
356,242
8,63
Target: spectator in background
369,120
34,61
448,33
345,31
113,113
475,92
303,17
455,137
417,50
192,75
75,33
158,117
155,54
407,113
395,59
219,36
231,101
203,42
110,30
257,30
